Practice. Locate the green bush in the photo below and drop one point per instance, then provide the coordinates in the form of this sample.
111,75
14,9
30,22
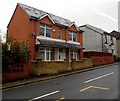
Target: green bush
18,53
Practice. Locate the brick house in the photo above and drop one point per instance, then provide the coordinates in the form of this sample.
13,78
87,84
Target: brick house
50,37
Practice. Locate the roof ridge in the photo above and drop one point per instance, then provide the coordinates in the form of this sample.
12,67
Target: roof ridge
50,14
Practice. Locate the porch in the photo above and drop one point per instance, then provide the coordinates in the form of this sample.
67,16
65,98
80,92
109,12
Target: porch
57,50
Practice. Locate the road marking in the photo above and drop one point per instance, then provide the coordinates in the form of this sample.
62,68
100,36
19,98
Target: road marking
44,95
98,77
100,87
84,89
62,98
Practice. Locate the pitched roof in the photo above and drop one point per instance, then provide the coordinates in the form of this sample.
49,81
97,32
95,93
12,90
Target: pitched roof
38,14
98,30
115,34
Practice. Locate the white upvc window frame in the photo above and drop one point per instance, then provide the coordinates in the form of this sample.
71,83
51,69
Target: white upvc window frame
45,27
74,52
72,33
60,32
59,54
49,50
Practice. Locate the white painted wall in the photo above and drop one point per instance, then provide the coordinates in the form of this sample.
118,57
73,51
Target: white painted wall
56,54
92,41
107,47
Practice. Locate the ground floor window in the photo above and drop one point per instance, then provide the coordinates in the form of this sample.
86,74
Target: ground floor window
73,54
45,54
59,54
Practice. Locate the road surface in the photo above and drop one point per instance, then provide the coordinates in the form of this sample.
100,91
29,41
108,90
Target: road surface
95,84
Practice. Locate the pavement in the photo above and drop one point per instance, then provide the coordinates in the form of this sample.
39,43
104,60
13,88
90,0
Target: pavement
99,83
33,79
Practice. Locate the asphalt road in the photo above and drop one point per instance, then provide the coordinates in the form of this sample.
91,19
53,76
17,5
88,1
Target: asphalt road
95,84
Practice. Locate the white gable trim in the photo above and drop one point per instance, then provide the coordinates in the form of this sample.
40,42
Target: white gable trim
48,17
74,25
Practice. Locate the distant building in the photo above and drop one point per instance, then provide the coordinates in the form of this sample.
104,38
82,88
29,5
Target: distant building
96,39
50,37
117,36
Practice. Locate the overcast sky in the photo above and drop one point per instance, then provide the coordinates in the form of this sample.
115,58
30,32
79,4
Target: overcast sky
100,13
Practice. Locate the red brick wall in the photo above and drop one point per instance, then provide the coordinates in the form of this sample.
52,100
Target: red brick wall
19,20
21,28
16,75
100,58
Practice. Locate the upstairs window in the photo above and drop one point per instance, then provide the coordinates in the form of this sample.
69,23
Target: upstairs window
112,40
59,33
72,36
45,30
106,39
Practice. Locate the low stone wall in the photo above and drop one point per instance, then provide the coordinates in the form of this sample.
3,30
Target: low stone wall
81,64
48,67
55,67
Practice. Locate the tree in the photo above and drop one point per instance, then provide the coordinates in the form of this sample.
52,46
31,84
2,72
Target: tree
18,53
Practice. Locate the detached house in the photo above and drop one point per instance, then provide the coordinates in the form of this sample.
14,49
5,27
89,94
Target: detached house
50,37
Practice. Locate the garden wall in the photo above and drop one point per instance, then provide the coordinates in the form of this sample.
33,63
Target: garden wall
100,58
81,64
15,72
48,67
55,67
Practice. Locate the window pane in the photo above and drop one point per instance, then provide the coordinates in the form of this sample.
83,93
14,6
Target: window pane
48,26
70,36
74,37
41,31
42,55
59,34
60,54
48,32
42,25
75,56
47,55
